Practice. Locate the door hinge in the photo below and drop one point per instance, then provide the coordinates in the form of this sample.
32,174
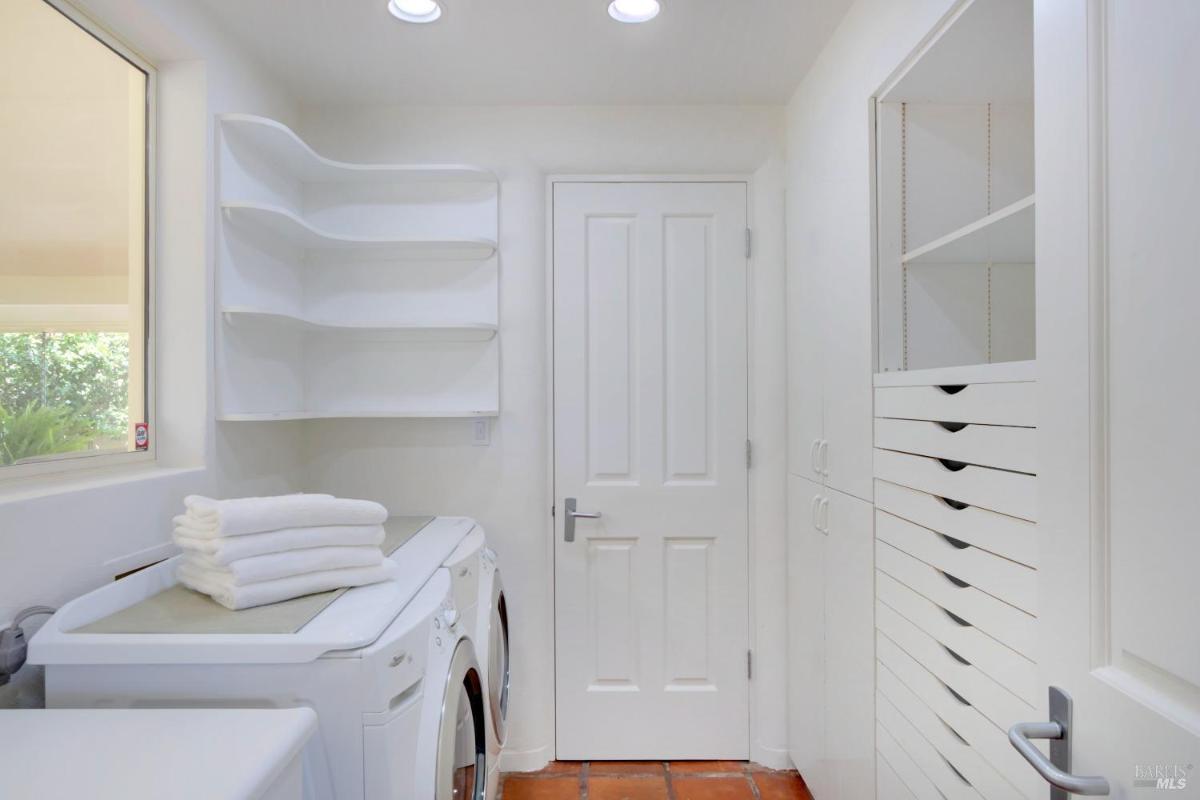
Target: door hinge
749,665
749,239
552,511
749,454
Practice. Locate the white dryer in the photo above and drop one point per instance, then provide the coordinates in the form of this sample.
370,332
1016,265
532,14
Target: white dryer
391,670
492,643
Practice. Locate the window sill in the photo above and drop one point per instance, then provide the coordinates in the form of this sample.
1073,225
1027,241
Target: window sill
38,486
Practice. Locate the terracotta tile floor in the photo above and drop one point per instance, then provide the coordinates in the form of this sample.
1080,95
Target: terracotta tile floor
654,780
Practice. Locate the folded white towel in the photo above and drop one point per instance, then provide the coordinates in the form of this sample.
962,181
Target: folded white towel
266,592
225,550
207,518
284,565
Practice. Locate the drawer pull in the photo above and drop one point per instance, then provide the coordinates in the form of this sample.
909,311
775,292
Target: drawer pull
956,581
954,769
954,504
952,388
956,618
957,544
953,466
952,427
953,732
956,656
964,701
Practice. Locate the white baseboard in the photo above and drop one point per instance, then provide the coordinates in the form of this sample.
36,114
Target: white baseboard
772,757
526,760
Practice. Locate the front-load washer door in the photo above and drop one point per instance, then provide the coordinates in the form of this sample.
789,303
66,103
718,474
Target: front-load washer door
462,747
498,663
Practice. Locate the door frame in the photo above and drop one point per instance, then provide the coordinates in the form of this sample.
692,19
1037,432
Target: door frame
752,530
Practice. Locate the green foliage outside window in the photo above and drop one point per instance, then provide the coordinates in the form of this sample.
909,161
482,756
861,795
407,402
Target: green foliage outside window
62,392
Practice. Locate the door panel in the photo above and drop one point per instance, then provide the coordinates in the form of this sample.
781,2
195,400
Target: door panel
651,599
805,328
1116,344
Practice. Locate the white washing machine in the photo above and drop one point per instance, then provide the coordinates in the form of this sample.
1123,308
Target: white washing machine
391,670
492,642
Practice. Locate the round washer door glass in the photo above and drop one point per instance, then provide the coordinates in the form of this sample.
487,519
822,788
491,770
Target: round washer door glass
498,675
462,756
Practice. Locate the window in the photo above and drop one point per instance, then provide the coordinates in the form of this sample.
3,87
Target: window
76,136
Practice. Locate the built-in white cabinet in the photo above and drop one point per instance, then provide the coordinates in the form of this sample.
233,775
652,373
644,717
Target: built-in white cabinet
351,290
831,640
829,346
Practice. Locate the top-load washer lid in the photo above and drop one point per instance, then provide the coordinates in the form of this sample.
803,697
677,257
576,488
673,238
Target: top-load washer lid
184,754
353,620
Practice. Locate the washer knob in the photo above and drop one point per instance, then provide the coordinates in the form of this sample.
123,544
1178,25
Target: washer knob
450,615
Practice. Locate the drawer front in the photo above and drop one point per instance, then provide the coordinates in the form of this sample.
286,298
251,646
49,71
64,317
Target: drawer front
1012,493
1001,534
1002,664
986,445
995,702
948,742
982,403
888,783
1007,580
988,740
1000,620
906,769
949,781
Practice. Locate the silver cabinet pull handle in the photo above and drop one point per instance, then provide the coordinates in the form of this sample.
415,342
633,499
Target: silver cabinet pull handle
824,457
1056,769
572,515
812,456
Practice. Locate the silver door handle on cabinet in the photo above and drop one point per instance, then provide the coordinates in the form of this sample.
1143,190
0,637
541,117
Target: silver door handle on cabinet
824,512
572,515
1056,769
823,457
812,512
812,456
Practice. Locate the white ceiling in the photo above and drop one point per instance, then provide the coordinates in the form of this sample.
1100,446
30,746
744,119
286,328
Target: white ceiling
532,52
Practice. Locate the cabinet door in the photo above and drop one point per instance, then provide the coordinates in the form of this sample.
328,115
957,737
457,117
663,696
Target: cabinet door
805,339
806,632
845,340
849,647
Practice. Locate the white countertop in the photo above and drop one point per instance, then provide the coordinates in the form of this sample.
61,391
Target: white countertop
131,754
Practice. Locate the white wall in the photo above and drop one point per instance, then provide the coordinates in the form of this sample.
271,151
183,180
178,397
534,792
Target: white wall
828,147
417,467
59,539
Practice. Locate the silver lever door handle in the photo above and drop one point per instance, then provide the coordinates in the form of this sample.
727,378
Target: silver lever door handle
1056,769
571,516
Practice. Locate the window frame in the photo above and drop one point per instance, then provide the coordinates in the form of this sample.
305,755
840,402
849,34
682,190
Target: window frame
67,462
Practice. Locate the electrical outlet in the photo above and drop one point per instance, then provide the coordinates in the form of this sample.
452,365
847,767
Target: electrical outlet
481,433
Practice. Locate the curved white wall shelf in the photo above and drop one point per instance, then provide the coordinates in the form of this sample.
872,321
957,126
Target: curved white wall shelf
287,225
279,144
291,416
375,331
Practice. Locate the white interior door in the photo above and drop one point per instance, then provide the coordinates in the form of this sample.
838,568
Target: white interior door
1117,170
651,599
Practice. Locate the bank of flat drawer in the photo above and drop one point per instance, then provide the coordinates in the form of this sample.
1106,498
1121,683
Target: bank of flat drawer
999,662
1012,493
987,445
983,403
998,619
916,781
998,576
998,704
948,742
1001,534
950,782
981,733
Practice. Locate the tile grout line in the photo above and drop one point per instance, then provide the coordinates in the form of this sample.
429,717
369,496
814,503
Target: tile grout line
753,783
585,770
669,780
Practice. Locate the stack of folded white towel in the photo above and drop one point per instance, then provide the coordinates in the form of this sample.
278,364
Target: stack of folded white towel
253,551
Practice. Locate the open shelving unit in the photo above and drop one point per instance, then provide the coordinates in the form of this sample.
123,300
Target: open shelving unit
352,290
955,202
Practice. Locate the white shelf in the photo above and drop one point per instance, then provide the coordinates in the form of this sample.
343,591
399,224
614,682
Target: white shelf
373,331
292,416
279,145
285,224
1002,237
999,372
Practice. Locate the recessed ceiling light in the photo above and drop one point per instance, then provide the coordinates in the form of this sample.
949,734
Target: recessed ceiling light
633,10
415,10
